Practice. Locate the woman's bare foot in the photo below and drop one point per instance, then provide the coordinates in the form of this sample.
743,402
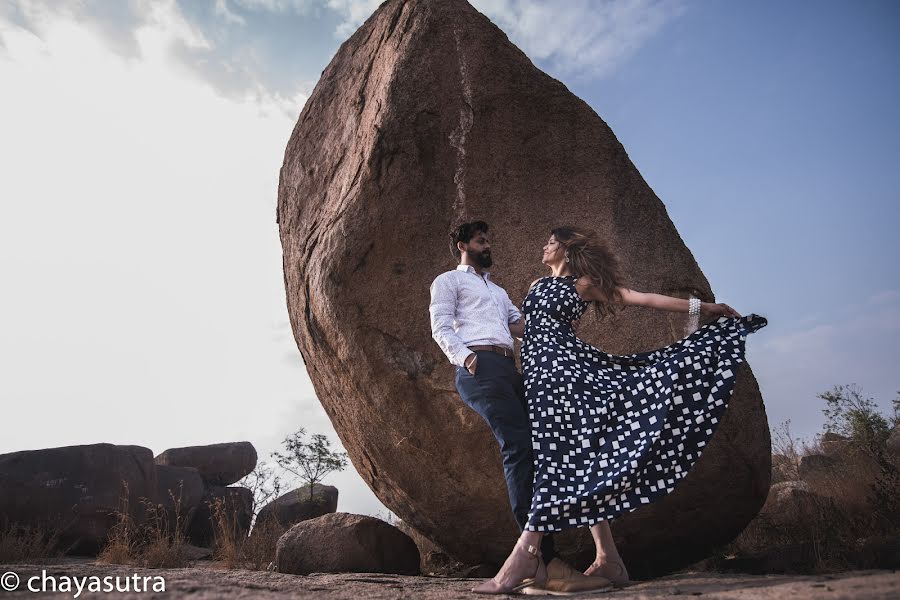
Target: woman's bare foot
523,567
612,569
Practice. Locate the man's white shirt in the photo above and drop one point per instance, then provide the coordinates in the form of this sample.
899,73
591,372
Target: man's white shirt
470,310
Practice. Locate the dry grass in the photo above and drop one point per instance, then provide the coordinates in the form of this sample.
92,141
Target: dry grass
156,542
20,543
853,503
234,548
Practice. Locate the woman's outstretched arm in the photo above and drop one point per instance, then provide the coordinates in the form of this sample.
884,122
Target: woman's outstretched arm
660,301
673,304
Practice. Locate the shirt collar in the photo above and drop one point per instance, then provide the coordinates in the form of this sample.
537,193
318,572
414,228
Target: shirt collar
471,269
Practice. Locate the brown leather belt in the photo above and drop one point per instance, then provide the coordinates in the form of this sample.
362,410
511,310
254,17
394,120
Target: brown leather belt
497,349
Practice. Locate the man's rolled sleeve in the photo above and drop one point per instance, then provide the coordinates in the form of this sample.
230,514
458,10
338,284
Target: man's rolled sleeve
513,314
443,314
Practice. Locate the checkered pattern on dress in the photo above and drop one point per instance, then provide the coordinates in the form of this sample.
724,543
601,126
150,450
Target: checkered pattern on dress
612,433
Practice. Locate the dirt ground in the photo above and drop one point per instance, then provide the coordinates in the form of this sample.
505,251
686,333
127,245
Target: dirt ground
207,581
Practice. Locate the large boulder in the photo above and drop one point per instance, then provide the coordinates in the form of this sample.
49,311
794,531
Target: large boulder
428,116
231,507
299,505
346,543
218,464
76,490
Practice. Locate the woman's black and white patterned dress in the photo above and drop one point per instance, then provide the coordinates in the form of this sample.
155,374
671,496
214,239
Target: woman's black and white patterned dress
612,433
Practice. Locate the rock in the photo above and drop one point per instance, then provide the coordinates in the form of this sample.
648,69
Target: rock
192,552
433,557
180,490
783,469
799,557
342,543
779,492
428,116
296,505
815,464
218,464
789,500
481,571
436,562
76,488
834,444
238,506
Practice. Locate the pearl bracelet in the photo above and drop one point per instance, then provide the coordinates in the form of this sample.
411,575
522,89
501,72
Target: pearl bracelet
694,306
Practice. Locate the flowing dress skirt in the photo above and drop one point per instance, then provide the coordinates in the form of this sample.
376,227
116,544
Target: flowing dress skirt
612,433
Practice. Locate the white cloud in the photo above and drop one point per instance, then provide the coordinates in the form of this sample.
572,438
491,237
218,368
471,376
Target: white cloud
296,6
592,38
139,253
166,26
223,11
235,60
579,37
116,23
354,13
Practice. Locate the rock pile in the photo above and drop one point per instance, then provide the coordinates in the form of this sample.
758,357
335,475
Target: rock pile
217,466
79,489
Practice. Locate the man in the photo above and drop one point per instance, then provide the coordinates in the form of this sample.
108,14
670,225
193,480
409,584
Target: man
473,321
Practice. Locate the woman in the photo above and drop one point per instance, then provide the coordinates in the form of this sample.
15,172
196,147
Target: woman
610,433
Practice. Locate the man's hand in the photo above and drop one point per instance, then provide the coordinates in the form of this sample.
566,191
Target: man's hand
575,325
517,329
472,363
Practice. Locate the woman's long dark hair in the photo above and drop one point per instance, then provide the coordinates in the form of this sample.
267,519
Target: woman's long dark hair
588,255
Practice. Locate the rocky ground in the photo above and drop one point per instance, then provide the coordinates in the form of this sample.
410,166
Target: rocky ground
209,581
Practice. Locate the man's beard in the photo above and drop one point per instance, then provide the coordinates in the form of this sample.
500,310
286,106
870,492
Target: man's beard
483,260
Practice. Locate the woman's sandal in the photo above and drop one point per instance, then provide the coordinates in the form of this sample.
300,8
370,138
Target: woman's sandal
540,576
619,579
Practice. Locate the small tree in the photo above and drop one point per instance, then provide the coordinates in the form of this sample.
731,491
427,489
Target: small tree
264,483
853,416
310,461
785,445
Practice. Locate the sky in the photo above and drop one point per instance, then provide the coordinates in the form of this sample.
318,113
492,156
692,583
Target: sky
141,293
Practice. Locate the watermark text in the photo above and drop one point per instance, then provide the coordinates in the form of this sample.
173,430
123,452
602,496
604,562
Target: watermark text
75,585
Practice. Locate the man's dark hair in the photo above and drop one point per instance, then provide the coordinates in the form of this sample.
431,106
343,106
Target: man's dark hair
464,233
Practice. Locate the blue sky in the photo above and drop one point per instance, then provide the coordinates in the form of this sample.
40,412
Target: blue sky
143,299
